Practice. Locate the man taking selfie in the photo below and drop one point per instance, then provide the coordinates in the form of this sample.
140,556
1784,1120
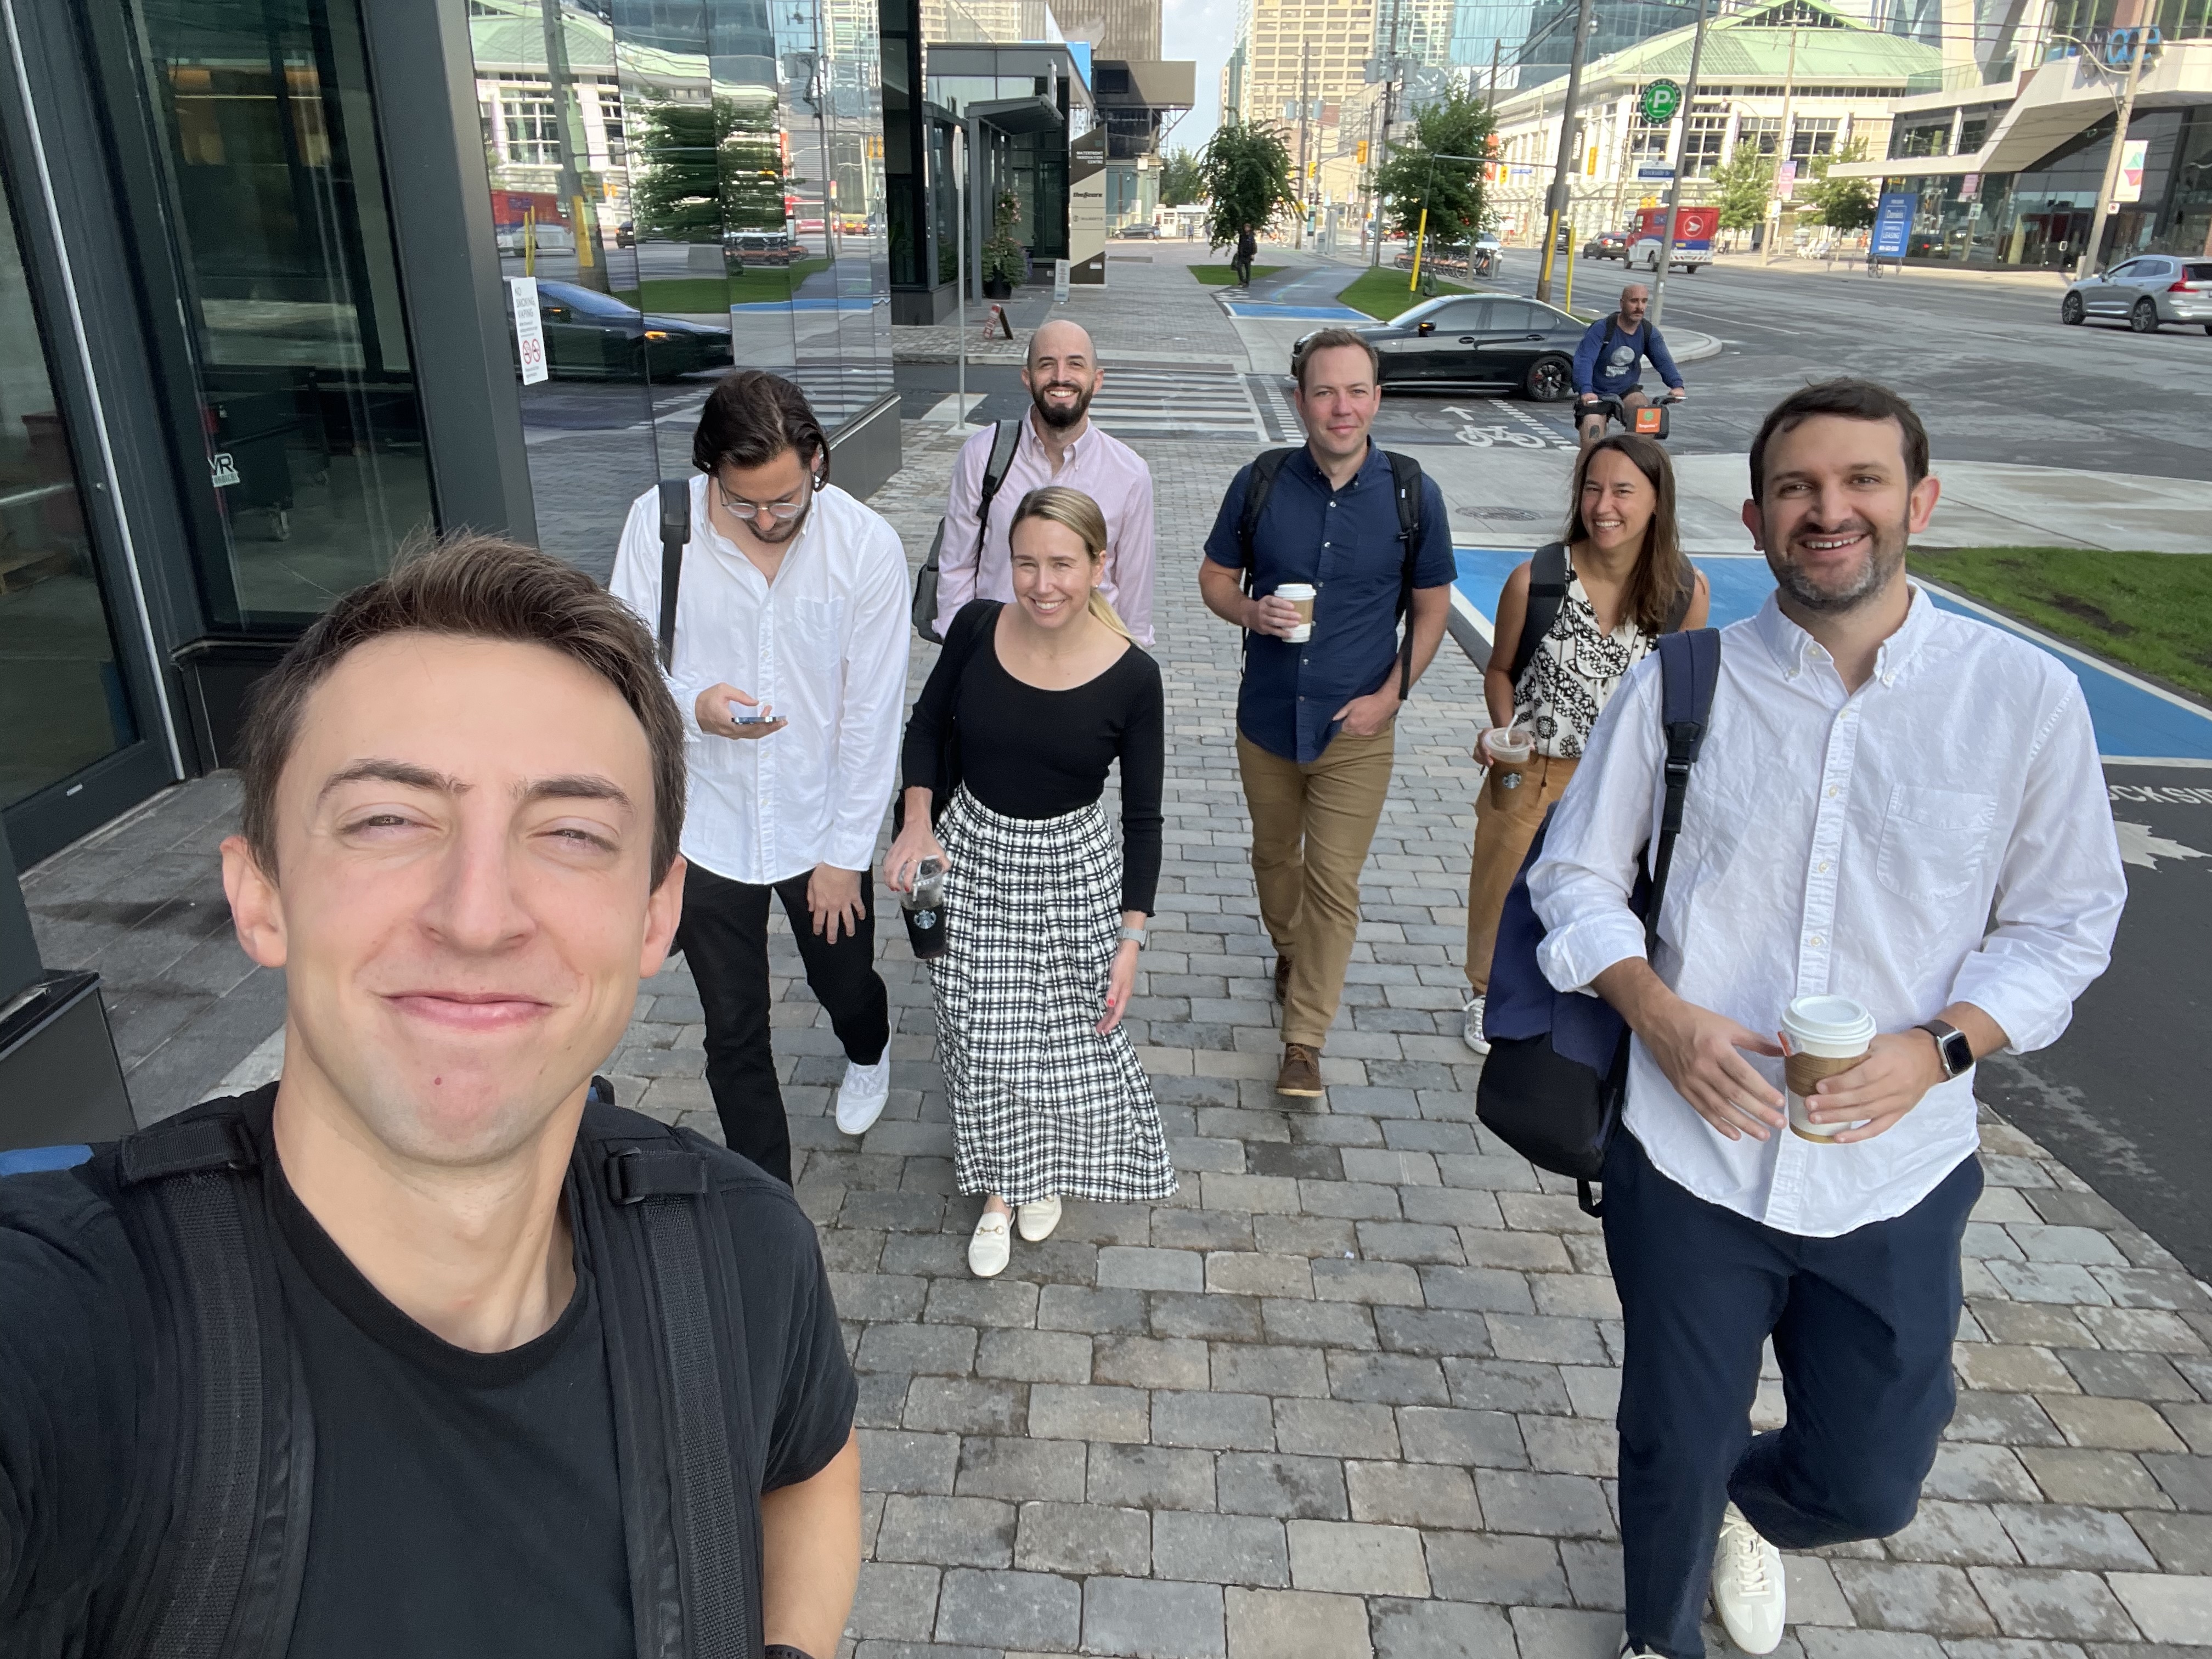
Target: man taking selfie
421,1350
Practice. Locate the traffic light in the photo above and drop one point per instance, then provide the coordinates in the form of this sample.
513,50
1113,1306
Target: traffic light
1359,154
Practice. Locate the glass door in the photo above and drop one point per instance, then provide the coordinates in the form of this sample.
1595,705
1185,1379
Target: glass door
63,703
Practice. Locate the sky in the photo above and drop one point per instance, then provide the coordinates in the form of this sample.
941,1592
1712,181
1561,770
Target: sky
1204,31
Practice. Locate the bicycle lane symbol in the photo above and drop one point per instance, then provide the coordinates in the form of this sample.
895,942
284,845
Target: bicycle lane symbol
1477,436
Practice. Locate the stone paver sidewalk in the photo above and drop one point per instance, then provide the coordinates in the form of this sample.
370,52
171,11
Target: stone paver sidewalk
1351,1391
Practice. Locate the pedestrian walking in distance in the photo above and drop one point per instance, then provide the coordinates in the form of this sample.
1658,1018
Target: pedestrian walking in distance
1896,857
1602,597
1248,249
1365,537
1029,707
789,665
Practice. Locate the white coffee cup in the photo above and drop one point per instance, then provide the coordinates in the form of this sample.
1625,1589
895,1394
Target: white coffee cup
1827,1035
1301,594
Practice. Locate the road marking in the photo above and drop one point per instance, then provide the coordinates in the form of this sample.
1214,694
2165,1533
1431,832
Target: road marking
1190,400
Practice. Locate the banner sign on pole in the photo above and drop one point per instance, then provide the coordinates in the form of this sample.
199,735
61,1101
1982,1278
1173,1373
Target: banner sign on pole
1892,222
2133,155
1786,181
529,329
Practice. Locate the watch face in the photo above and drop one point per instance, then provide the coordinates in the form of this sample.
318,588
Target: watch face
1958,1053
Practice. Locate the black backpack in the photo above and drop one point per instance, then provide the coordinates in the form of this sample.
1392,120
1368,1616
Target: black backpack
223,1581
1548,595
1556,1075
1406,481
1005,438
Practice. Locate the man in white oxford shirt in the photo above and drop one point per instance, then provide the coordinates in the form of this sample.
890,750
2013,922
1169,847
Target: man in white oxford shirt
790,667
1894,803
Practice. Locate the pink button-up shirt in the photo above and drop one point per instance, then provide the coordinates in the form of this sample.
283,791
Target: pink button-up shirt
1099,465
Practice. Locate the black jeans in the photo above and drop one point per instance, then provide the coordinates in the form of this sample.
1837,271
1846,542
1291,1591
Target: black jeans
1862,1325
724,936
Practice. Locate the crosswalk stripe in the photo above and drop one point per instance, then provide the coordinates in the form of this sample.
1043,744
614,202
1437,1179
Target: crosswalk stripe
1200,399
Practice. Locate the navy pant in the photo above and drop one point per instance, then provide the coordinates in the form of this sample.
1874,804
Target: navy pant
1863,1326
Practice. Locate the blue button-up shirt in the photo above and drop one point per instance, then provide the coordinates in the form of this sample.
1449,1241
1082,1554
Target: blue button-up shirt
1345,541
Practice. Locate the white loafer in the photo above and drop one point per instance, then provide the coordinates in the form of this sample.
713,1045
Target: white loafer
862,1095
1748,1585
992,1247
1037,1220
1470,1029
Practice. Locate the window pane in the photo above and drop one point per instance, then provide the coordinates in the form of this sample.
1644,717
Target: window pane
62,701
300,366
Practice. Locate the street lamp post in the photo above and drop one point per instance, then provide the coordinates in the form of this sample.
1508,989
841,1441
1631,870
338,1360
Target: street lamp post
1559,173
1421,235
2104,209
1681,163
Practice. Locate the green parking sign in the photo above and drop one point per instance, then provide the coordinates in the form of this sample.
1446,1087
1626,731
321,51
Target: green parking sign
1662,101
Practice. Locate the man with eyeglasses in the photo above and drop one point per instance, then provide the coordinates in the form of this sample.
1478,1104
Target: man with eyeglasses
790,666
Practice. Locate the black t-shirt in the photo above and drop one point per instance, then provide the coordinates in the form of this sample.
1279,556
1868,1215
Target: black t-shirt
1027,752
464,1504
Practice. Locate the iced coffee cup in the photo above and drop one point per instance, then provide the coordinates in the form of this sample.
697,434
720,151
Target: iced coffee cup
1826,1036
1300,594
1512,749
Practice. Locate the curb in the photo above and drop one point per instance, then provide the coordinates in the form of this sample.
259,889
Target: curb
1695,347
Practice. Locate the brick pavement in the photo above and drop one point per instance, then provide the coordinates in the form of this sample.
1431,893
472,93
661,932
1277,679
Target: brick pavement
1350,1391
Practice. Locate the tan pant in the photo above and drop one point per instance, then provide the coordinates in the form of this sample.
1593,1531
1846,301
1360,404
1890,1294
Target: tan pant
1311,826
1505,822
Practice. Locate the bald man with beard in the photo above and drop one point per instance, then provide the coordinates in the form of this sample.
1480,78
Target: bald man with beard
1058,445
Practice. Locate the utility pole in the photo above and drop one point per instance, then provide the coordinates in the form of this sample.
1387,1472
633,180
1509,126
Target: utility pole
2104,204
1681,165
1491,103
568,126
1782,144
1305,108
1558,205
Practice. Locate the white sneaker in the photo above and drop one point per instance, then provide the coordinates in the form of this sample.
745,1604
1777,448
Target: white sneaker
1471,1031
992,1245
862,1095
1748,1585
1037,1220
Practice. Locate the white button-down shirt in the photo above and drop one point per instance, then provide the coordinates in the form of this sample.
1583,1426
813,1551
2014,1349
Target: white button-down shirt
1942,834
824,645
1099,465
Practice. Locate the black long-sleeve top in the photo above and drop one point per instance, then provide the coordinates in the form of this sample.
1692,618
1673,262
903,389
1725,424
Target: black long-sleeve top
1029,753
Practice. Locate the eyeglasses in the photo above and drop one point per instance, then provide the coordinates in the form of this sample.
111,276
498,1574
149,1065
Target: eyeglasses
781,512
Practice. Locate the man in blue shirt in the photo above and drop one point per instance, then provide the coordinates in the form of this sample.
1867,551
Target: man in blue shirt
1313,718
1606,362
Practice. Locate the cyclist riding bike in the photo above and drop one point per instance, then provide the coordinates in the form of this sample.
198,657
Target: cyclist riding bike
1606,365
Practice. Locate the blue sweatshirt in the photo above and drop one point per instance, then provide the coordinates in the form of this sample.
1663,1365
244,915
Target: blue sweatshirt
1618,372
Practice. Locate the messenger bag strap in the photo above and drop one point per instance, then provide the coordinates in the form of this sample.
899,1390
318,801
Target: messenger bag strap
675,533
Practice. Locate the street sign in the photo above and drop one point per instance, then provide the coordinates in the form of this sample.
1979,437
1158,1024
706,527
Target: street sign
2133,154
1892,222
529,329
1655,172
1662,100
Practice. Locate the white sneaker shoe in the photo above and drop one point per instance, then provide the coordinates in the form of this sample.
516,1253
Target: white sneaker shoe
992,1245
861,1097
1037,1220
1748,1585
1471,1030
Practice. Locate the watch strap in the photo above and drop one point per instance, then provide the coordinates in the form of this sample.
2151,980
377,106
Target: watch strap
1135,935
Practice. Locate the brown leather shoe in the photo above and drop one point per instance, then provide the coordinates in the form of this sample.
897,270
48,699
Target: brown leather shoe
1282,976
1300,1073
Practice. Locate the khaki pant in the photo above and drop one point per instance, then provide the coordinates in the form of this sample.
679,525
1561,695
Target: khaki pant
1505,822
1311,826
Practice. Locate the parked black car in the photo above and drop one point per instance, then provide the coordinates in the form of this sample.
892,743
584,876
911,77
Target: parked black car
590,336
1460,341
1605,245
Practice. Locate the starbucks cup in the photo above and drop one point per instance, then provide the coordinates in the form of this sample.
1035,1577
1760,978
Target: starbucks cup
1511,748
1827,1035
1301,594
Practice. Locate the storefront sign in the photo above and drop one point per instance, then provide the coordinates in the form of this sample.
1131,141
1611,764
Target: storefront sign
529,329
1892,222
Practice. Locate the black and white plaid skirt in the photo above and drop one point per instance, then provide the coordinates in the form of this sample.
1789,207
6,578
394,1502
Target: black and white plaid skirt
1041,1104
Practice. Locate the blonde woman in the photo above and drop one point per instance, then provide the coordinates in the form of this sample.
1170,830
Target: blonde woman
1029,706
1628,583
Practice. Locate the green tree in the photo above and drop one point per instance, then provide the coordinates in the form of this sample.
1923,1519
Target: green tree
1453,190
708,169
1180,183
1245,174
1742,186
1844,204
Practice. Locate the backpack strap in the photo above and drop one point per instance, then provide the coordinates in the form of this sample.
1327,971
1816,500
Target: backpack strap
228,1565
644,1193
1689,670
1259,484
1006,439
1547,592
1406,484
675,535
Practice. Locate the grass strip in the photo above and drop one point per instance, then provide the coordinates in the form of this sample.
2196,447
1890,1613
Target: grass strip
1223,275
698,296
2151,612
1384,294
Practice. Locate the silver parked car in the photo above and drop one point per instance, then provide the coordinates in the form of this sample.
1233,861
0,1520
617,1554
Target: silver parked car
2145,291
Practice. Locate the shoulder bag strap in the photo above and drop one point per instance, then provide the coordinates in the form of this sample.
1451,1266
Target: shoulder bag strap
644,1209
675,533
1689,669
1547,593
1406,482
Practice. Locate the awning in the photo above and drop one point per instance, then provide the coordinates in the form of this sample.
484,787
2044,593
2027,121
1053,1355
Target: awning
1017,116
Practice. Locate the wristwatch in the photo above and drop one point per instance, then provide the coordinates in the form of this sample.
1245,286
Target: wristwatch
1135,936
1952,1046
